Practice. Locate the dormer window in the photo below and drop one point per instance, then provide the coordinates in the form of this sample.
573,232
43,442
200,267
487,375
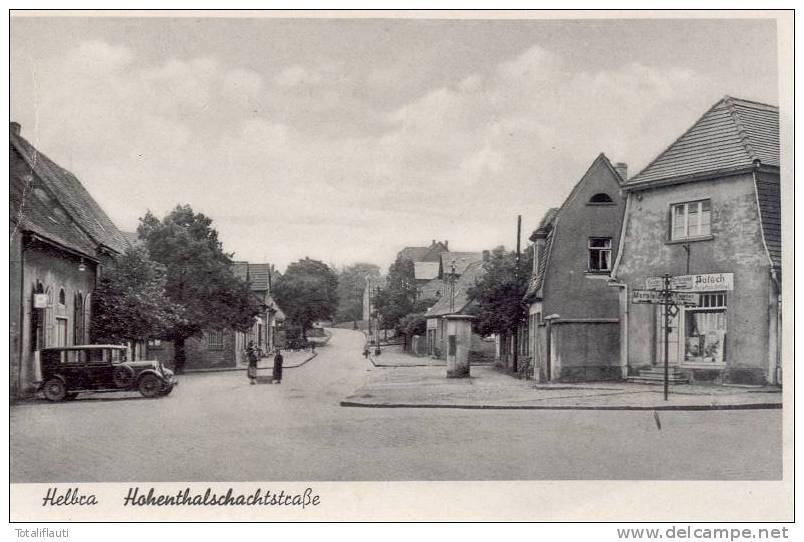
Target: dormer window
601,198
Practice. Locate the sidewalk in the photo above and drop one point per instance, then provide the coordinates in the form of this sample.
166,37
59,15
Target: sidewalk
394,356
489,388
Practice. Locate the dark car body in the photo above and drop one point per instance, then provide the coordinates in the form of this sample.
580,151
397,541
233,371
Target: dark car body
68,370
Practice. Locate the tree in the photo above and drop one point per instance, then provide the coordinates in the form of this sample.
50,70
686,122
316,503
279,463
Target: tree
307,292
199,276
129,303
351,285
499,292
398,298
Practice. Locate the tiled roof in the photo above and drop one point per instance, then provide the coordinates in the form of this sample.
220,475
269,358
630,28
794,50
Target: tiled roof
425,270
449,304
34,209
132,237
240,270
546,226
413,254
423,254
72,195
259,274
433,289
732,135
462,261
770,203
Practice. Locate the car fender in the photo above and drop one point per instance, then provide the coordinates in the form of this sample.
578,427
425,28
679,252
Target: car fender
58,376
149,372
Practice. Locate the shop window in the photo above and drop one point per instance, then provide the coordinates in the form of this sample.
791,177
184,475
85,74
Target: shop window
705,329
690,219
214,340
599,254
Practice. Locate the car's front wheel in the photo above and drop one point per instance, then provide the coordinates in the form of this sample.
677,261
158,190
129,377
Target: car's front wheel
150,386
167,389
55,390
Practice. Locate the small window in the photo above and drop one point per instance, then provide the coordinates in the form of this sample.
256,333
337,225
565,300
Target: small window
155,343
690,219
602,197
599,254
214,340
62,297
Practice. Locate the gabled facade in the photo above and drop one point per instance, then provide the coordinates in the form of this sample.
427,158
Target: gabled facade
60,239
709,205
572,332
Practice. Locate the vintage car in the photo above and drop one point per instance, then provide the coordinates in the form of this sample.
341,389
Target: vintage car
68,370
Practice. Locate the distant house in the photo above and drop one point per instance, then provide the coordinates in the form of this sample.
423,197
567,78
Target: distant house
60,239
424,254
226,348
572,331
708,208
426,267
455,301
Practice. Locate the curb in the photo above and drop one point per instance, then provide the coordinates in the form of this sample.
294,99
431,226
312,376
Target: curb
231,369
747,406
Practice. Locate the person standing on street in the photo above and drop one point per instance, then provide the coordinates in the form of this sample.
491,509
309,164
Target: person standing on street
251,354
278,361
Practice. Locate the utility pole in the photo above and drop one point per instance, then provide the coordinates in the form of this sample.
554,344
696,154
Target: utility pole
515,364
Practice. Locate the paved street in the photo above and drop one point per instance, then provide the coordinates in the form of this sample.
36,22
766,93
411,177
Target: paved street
216,427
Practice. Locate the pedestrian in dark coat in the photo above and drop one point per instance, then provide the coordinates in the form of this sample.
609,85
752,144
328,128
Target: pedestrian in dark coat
251,354
278,361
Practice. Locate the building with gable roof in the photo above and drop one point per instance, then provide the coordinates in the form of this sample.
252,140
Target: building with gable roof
708,206
572,330
226,348
60,239
455,301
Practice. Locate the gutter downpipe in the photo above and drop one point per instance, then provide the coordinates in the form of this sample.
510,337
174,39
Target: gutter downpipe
777,373
624,304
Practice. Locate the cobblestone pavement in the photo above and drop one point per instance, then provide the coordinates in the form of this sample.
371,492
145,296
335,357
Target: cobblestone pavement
217,427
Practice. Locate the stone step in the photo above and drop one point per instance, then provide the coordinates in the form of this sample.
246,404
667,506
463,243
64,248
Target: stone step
657,381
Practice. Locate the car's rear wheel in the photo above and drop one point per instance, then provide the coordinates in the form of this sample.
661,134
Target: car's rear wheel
150,386
167,389
55,390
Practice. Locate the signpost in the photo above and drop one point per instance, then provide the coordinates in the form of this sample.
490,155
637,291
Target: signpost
673,292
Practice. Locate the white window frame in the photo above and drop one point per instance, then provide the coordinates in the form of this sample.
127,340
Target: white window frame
590,248
686,215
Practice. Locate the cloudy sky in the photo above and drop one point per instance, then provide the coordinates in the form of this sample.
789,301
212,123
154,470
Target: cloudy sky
346,140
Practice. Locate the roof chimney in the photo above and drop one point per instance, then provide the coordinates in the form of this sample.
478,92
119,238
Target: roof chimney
14,127
622,169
